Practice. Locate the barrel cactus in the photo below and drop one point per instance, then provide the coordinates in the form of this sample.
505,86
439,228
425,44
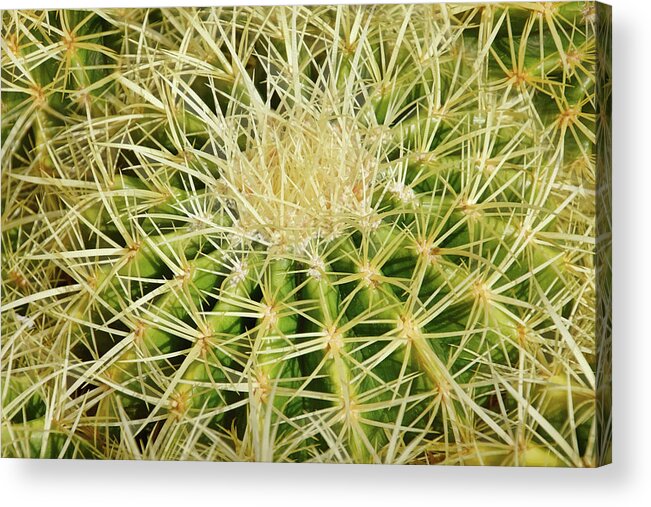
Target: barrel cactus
356,234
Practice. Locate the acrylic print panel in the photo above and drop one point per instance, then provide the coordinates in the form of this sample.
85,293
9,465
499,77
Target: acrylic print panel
342,234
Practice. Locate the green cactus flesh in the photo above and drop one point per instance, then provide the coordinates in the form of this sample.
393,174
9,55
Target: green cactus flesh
326,234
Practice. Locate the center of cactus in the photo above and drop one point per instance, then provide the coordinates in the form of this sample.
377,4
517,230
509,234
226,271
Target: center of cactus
302,177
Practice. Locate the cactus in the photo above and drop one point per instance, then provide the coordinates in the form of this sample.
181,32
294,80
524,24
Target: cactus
308,234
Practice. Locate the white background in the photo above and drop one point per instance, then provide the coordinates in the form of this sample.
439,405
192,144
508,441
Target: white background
626,482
